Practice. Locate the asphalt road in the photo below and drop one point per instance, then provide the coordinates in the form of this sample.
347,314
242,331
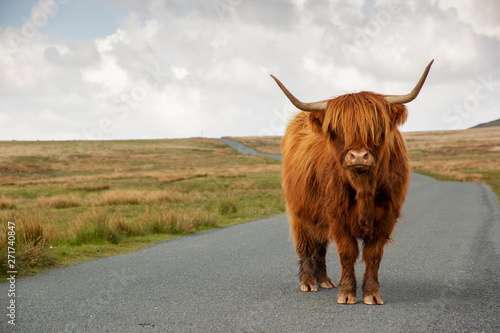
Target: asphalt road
247,150
440,275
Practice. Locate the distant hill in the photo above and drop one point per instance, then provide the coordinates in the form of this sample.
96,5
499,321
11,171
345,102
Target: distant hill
488,124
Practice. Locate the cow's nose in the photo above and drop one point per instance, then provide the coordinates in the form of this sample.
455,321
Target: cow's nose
357,157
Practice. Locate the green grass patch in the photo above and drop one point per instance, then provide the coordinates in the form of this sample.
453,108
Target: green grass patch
31,159
95,199
227,206
70,254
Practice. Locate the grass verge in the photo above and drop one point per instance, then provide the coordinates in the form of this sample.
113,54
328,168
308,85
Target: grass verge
76,201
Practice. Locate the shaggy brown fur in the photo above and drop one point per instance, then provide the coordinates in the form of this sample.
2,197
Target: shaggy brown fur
326,201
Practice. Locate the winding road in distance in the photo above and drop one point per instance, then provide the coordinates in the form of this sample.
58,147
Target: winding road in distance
441,274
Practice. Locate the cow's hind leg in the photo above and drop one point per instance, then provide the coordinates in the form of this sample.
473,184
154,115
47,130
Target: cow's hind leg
306,250
321,276
311,253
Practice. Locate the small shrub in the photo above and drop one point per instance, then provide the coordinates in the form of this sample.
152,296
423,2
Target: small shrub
95,188
31,230
125,228
7,203
121,197
171,222
203,219
30,243
161,196
94,228
182,225
227,207
33,254
157,222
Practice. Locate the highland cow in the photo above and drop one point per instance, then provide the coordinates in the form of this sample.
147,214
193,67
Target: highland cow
345,177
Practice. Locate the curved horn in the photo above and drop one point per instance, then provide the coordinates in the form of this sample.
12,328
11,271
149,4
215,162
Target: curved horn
401,99
315,106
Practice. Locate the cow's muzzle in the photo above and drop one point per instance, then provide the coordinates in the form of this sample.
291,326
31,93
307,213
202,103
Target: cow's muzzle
359,159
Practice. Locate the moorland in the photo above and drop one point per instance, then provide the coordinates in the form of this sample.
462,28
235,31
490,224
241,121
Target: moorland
74,201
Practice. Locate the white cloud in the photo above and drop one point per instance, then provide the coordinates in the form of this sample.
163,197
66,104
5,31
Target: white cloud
179,68
180,72
482,16
111,78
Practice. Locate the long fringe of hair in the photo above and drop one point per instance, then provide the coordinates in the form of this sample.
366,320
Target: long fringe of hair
361,119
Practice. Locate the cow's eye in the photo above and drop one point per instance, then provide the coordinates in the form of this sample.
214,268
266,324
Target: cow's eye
332,135
382,137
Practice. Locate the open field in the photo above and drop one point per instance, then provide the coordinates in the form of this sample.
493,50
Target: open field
471,155
78,200
74,201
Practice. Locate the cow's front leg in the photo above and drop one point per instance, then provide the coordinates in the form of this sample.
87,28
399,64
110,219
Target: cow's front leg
372,256
348,250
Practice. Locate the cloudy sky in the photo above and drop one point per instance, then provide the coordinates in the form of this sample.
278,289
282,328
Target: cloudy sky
124,69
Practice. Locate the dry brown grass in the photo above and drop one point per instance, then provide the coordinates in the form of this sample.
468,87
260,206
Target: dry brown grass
116,192
135,197
32,255
7,203
59,201
167,222
31,237
121,197
220,171
244,185
96,162
30,180
467,155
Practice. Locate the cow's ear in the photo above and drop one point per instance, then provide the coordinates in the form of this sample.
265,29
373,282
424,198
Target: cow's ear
399,113
316,119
